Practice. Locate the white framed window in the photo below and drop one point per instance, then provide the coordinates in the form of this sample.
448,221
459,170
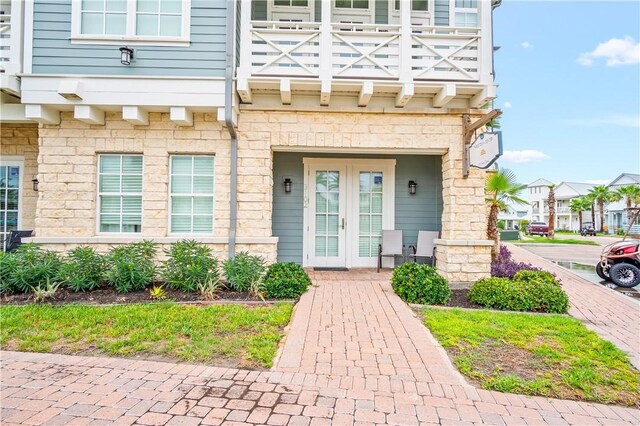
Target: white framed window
191,201
416,5
11,183
465,13
352,4
153,22
120,193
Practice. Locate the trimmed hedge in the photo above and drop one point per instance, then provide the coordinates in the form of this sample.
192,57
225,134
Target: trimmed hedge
285,281
534,291
421,284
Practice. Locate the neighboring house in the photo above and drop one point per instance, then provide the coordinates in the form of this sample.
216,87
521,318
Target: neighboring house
289,129
514,214
538,196
617,211
565,218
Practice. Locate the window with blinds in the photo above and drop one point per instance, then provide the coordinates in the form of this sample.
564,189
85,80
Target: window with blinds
192,186
120,193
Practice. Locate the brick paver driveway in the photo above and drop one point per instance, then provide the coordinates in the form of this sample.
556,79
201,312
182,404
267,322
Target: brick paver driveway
355,354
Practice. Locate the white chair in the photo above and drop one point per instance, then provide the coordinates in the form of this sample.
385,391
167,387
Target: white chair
425,247
391,246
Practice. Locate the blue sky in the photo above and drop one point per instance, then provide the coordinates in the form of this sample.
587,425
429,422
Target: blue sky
569,77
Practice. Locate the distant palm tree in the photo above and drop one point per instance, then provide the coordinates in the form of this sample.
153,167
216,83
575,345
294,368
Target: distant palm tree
631,194
601,195
501,188
552,211
579,205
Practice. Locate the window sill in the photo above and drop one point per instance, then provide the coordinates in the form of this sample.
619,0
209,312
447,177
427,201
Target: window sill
131,40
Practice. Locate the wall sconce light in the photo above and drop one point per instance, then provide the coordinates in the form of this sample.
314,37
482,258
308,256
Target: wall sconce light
35,183
287,185
413,186
126,55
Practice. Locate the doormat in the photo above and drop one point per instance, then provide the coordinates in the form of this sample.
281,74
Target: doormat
331,269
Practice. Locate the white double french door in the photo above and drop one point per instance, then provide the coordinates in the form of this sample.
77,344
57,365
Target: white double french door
348,202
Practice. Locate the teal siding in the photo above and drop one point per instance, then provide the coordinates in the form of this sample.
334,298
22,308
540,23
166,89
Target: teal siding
382,11
441,13
413,213
53,52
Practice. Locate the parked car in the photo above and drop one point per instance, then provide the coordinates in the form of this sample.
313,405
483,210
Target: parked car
588,229
537,228
620,263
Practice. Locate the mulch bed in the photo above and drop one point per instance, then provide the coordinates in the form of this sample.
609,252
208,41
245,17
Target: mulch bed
459,299
108,295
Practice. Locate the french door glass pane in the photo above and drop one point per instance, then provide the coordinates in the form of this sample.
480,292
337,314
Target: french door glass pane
327,184
370,227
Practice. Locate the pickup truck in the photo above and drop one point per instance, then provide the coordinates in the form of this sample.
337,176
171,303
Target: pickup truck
537,228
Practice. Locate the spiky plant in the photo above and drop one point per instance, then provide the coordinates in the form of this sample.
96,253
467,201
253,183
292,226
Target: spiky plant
501,188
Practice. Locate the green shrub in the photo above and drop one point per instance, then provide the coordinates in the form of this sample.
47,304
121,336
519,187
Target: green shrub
519,295
7,261
243,271
130,267
29,267
82,270
189,265
416,283
285,281
535,277
500,293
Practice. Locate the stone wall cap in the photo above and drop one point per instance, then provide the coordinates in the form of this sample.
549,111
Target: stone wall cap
443,242
135,239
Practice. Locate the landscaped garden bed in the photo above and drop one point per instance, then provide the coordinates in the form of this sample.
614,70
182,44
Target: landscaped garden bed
546,355
221,335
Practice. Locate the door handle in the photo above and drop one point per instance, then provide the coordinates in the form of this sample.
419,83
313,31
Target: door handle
343,223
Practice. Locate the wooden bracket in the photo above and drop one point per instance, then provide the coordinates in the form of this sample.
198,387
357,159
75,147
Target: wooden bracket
467,133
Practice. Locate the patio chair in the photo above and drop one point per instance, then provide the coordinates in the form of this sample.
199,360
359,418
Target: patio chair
391,246
425,247
14,239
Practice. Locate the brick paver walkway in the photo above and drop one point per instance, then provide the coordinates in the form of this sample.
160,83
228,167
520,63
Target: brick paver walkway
610,314
355,354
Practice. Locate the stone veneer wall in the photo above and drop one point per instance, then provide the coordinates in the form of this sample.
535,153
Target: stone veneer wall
463,253
21,140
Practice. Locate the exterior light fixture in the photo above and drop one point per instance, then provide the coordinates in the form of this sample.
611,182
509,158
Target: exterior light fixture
413,186
35,183
126,55
287,185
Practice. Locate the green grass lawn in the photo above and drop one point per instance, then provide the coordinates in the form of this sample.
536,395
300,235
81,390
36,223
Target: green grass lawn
544,240
546,355
230,335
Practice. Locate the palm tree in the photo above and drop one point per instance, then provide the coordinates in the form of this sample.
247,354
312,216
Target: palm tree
579,205
631,194
501,188
552,211
601,195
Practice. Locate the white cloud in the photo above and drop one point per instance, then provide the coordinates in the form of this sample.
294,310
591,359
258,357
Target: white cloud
615,120
507,104
617,51
526,45
524,156
598,181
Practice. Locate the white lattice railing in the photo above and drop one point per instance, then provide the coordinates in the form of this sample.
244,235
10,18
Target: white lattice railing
5,34
365,51
285,48
439,53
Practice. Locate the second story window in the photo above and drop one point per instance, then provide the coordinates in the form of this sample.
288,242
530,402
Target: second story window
298,3
466,13
352,4
131,20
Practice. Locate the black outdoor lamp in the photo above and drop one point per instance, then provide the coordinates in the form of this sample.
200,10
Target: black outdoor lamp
126,55
413,186
287,185
35,183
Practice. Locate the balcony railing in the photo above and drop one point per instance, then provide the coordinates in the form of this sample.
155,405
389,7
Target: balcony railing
10,44
367,51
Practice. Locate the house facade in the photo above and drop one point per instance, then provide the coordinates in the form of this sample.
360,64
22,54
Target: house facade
617,215
296,130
